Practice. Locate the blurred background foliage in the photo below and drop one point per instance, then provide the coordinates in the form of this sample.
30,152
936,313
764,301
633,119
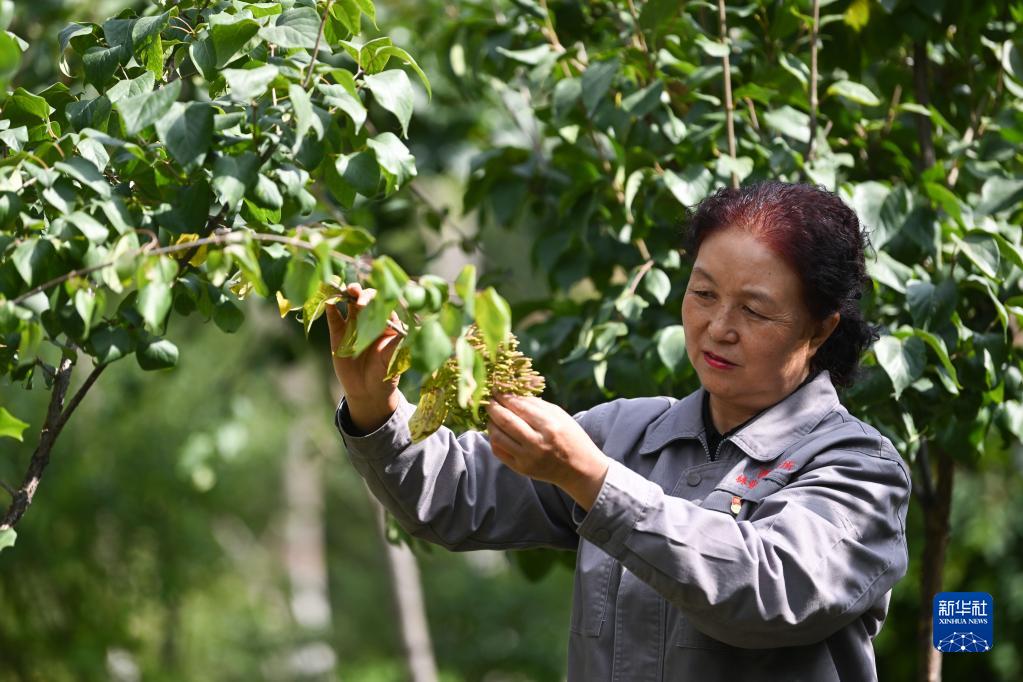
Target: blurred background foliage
155,549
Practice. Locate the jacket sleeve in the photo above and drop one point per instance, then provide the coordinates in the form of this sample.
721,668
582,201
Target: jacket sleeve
810,559
453,491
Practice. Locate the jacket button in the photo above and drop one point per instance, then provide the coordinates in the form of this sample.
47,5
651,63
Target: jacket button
693,478
601,535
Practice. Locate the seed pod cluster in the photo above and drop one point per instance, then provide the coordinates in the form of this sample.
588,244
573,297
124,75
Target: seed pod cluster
447,396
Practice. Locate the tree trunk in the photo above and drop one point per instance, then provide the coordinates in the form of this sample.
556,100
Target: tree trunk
304,550
921,87
936,531
408,599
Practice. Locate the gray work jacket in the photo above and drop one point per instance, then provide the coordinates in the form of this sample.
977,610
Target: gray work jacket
773,560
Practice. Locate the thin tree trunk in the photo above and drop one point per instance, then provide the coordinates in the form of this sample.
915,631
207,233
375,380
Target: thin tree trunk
304,546
921,87
408,599
936,531
729,105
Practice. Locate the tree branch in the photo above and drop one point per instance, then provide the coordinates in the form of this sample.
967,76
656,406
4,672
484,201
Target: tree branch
729,105
79,394
41,457
226,238
813,79
316,47
926,475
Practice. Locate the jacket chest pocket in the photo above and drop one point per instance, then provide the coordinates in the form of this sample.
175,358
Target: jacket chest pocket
739,502
594,573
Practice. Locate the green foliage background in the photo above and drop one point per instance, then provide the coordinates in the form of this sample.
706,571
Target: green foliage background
560,143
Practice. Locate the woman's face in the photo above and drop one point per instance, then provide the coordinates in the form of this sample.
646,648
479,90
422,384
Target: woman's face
748,333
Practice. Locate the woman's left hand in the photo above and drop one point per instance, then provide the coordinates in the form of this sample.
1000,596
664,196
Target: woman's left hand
540,440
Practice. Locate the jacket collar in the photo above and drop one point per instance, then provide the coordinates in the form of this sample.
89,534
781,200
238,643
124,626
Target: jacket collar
766,436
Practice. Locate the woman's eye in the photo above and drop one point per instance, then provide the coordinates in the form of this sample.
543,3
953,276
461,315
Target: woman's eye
703,294
754,313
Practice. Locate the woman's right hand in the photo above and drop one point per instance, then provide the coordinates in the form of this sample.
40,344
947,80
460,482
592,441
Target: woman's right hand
371,399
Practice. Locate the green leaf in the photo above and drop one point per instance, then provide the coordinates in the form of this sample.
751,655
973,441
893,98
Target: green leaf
31,259
187,131
657,284
393,92
631,306
93,113
789,122
642,102
326,294
465,287
867,200
154,303
338,96
94,231
159,354
228,38
981,249
109,344
100,65
999,194
147,28
398,164
267,194
7,538
388,277
33,105
741,166
204,58
373,321
10,58
530,56
902,360
84,172
228,317
930,304
233,176
305,119
430,347
712,48
938,346
354,241
671,347
493,317
246,85
394,51
596,81
359,171
691,186
894,212
140,112
301,280
854,92
797,68
11,427
294,28
131,88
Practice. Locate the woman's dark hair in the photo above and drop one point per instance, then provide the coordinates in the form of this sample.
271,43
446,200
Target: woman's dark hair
821,239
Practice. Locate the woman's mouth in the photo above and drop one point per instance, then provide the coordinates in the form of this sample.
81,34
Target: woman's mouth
716,361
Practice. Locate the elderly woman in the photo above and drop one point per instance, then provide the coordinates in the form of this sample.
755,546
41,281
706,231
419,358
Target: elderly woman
751,530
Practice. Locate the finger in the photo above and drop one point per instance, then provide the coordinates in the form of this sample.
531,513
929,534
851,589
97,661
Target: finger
335,325
503,446
510,423
533,411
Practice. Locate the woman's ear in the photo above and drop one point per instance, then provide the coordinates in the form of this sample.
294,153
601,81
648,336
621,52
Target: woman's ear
824,329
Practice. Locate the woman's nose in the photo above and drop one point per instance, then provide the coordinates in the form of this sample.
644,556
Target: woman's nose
721,328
